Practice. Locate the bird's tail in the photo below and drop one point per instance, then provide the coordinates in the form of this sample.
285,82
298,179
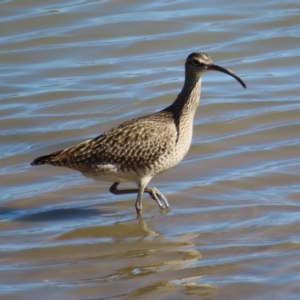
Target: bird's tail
46,159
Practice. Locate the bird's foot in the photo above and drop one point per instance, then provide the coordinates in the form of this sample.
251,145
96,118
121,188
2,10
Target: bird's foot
157,196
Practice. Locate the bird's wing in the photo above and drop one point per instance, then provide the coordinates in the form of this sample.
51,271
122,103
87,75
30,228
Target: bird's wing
135,142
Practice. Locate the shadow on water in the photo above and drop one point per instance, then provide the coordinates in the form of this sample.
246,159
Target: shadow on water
57,214
61,214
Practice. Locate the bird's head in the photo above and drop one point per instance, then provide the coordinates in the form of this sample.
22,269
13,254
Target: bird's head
199,62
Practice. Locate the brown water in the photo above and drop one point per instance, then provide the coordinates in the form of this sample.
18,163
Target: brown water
72,69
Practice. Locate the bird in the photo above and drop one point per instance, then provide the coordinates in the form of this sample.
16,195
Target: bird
138,149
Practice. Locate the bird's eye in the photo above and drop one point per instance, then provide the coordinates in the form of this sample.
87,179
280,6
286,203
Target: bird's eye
195,62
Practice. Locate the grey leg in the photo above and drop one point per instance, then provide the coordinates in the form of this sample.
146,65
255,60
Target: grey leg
113,189
138,203
154,193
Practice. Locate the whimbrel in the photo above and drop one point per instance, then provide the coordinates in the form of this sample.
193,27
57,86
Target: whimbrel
141,148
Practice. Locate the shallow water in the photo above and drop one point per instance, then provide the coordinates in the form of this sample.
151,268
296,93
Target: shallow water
70,71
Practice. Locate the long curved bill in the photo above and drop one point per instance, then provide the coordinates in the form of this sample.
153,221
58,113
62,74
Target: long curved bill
226,71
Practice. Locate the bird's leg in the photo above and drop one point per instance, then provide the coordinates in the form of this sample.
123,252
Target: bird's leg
113,189
154,193
138,203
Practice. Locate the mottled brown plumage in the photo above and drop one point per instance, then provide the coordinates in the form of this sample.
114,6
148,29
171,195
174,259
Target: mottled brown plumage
141,148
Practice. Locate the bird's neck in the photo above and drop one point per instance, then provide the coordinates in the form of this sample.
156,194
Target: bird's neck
188,99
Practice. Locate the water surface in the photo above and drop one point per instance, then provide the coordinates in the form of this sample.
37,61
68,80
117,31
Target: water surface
70,71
